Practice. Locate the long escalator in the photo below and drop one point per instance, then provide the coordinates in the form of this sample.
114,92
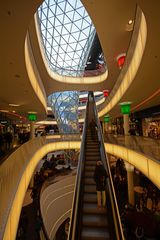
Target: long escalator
94,220
88,222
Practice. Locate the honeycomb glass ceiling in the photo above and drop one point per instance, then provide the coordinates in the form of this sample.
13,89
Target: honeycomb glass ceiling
67,35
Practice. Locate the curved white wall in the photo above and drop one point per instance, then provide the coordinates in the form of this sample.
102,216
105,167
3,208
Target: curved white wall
56,203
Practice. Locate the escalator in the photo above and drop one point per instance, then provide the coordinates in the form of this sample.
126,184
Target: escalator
94,220
88,222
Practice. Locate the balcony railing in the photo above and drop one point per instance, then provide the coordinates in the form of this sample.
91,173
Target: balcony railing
147,146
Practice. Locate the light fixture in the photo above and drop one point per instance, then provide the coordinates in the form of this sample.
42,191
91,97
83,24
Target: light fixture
125,107
121,59
105,93
32,116
129,25
4,110
130,22
32,112
14,105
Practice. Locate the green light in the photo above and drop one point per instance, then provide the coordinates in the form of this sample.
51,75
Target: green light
106,118
125,107
32,117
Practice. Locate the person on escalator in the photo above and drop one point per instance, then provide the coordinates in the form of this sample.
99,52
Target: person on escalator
100,177
93,128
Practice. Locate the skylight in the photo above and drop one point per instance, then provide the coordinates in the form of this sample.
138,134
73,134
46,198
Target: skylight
67,35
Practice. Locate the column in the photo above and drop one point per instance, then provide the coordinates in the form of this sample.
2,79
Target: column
32,135
106,122
32,130
130,172
125,110
126,124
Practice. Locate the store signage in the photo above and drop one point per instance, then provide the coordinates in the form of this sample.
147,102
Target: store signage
32,117
106,118
3,121
125,107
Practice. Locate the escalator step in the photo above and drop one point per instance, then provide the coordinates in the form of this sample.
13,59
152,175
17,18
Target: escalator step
92,149
95,220
90,198
95,158
89,174
90,188
90,163
92,208
89,233
92,153
90,168
89,181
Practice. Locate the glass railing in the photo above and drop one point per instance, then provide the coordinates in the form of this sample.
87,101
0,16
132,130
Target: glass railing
117,226
147,146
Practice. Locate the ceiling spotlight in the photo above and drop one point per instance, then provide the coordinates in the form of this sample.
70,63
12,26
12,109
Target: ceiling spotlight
14,105
130,22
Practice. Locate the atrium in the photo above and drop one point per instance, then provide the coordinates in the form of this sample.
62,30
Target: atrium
65,63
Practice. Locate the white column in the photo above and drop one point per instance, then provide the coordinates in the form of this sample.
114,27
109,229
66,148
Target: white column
126,124
32,135
130,172
32,129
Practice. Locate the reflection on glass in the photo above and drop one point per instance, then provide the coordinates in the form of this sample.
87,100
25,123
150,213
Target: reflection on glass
65,108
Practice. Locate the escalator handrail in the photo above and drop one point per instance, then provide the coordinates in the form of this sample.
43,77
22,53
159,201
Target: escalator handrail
116,217
76,198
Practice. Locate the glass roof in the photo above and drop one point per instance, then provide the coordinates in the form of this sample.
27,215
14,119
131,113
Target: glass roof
67,35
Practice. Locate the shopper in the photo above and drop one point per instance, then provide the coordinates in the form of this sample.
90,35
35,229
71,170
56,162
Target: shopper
100,177
93,129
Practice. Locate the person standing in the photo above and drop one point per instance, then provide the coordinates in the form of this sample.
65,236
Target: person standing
93,126
100,177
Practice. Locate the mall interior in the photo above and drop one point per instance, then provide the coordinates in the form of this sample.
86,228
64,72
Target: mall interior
79,85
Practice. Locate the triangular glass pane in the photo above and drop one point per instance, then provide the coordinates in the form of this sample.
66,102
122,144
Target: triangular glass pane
72,3
65,31
59,11
69,8
70,15
60,18
66,20
75,30
62,5
68,27
77,16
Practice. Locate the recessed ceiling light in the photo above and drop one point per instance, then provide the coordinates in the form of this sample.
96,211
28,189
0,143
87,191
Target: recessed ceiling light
4,110
14,105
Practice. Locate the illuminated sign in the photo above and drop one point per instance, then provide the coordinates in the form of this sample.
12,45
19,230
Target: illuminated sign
125,107
32,117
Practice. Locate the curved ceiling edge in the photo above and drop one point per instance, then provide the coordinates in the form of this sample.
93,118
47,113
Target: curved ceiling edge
33,74
132,63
